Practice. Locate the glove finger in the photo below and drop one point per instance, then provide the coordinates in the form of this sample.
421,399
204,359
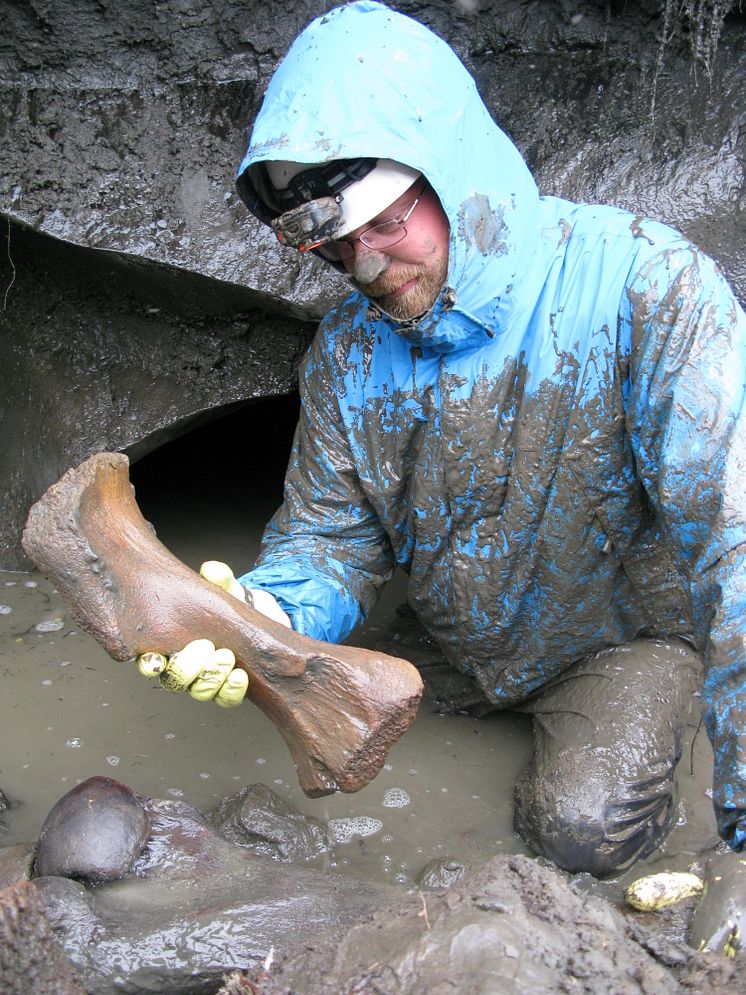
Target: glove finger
213,675
268,605
234,689
185,665
151,664
221,575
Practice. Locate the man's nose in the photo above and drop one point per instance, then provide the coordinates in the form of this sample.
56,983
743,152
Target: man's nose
367,264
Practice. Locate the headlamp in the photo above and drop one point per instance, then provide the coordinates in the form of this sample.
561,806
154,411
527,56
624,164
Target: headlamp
310,224
308,206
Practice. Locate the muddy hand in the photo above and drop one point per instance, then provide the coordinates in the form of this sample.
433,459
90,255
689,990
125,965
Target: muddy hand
207,672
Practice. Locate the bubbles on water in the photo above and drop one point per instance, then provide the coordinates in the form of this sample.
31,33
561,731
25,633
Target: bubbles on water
204,775
74,743
30,583
54,625
387,767
10,583
65,663
170,735
46,683
5,609
175,792
261,760
112,761
342,830
395,798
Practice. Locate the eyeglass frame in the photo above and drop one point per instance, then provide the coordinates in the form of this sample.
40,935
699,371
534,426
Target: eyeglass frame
337,243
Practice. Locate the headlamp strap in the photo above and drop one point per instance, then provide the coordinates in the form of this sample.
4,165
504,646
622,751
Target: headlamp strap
327,180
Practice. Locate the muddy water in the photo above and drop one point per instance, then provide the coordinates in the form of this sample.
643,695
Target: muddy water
68,711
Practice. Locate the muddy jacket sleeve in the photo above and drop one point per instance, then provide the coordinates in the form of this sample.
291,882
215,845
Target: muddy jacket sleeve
688,426
324,554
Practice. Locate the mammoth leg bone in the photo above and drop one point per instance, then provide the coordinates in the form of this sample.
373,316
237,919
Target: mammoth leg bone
339,708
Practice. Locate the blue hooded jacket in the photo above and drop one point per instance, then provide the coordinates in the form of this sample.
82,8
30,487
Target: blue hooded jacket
556,452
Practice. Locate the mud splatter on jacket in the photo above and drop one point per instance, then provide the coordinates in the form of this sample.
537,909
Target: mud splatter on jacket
556,453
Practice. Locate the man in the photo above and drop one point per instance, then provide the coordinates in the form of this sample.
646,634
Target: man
534,408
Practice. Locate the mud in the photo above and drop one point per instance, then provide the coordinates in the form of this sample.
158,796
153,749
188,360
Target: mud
193,907
446,795
196,906
31,957
101,355
502,930
122,129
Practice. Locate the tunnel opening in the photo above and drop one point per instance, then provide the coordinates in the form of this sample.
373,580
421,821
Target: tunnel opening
209,492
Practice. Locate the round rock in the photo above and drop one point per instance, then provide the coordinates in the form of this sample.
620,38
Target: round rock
94,832
441,872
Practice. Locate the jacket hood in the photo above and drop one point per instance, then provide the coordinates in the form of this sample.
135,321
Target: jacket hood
366,81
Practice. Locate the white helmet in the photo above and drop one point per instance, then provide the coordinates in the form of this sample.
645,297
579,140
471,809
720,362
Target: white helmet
361,199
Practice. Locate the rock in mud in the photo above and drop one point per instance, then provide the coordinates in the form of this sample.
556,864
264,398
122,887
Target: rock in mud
4,805
440,873
719,922
515,927
31,959
198,908
94,832
16,863
256,817
195,908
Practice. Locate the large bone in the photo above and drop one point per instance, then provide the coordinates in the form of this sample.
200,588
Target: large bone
339,708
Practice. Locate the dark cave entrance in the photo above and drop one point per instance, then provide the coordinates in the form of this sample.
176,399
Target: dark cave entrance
210,492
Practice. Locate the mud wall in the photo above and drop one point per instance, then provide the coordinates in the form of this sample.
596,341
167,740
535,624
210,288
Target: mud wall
136,297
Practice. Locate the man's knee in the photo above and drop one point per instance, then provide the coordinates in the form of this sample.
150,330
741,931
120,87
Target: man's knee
586,825
600,792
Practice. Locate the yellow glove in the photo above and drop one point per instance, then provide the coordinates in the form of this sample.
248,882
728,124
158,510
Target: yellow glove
222,575
207,672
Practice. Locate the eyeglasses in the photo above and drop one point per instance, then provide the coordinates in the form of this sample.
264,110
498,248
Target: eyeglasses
380,236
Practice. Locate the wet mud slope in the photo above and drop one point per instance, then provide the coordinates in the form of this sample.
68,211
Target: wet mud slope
122,127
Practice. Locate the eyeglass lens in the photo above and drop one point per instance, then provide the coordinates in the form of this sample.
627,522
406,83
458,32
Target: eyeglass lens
380,236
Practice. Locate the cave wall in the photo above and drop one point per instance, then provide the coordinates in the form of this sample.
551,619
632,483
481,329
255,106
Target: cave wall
136,296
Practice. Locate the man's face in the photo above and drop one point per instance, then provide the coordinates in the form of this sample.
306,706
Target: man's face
411,273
